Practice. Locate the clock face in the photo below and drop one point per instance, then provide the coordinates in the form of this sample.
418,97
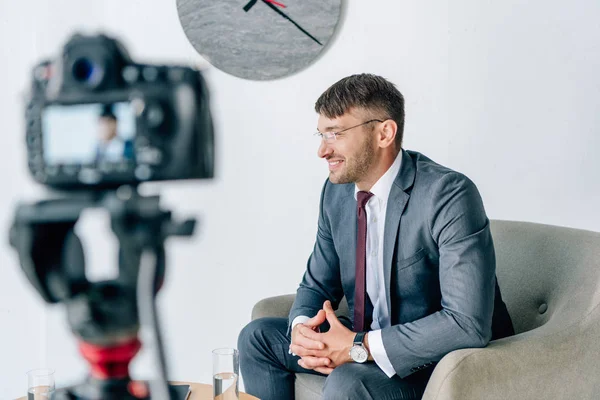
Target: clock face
259,39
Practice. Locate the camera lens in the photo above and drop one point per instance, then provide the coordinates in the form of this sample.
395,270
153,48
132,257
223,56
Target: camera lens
86,71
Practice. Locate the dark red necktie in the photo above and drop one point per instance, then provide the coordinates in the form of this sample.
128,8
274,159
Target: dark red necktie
360,285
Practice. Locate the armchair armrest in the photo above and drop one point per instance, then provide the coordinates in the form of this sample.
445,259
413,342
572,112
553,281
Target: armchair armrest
278,306
546,363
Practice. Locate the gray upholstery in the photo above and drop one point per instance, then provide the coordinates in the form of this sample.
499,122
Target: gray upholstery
550,281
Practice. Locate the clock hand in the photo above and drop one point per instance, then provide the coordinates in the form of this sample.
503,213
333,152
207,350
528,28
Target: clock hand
278,11
250,4
276,3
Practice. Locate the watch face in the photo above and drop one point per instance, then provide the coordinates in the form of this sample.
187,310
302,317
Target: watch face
358,354
259,39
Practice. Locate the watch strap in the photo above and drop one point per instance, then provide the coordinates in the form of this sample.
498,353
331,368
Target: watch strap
358,339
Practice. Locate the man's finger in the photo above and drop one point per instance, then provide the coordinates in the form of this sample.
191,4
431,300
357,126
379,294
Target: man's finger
304,352
330,313
299,337
309,333
324,370
314,362
307,343
300,351
316,320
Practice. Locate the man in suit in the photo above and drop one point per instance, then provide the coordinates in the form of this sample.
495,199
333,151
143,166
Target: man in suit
111,147
405,240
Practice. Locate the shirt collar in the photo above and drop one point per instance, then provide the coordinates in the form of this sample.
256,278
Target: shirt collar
381,189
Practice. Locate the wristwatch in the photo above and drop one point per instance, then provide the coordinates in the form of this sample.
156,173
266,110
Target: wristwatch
358,351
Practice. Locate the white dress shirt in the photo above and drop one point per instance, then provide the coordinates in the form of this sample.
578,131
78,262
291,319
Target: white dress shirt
376,290
113,151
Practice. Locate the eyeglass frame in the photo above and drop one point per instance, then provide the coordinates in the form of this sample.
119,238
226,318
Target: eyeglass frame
333,135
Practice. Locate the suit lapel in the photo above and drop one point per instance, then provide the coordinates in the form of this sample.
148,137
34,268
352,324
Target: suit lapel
396,204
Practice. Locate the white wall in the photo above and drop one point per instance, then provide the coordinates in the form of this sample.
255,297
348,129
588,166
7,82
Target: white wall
506,92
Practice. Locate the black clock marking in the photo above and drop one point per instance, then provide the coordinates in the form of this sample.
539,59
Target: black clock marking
251,4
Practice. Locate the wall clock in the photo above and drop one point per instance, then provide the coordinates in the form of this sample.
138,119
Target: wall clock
259,39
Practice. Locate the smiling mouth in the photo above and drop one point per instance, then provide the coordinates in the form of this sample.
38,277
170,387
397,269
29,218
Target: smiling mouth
334,164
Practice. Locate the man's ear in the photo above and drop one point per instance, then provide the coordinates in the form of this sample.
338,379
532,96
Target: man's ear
387,133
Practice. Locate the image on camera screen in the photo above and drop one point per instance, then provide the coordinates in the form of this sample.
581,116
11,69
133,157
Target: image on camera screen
88,133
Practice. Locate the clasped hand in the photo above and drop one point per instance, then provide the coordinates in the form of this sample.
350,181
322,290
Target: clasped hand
322,352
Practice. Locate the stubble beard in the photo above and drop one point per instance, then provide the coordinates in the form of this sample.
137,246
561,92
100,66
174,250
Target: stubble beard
356,169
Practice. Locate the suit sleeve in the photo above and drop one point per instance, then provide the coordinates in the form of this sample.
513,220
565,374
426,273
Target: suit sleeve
321,280
467,270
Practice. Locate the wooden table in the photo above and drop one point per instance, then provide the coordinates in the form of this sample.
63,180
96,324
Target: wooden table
200,391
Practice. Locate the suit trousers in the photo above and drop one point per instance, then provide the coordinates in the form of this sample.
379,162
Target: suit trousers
268,370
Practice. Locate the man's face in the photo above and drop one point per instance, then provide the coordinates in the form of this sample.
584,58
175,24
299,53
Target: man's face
107,129
352,153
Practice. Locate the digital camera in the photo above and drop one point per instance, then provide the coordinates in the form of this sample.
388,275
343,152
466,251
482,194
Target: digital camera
95,119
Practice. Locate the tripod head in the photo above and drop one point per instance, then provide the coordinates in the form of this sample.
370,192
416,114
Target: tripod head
104,315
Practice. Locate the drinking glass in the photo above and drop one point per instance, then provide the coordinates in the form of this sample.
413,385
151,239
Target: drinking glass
40,384
226,371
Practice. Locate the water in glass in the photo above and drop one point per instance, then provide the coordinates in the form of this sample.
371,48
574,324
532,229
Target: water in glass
225,386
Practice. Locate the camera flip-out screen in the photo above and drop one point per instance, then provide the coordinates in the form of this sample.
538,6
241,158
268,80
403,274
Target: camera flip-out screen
84,134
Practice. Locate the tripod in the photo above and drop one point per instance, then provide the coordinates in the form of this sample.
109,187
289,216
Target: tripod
105,316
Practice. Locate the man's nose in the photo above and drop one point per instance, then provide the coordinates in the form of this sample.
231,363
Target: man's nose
324,149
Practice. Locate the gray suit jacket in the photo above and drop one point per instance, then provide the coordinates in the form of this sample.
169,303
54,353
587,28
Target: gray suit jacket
439,264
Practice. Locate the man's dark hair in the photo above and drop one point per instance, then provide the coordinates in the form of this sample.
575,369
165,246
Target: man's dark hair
107,112
372,93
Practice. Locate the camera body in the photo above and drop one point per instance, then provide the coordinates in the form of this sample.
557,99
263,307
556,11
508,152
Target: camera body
97,120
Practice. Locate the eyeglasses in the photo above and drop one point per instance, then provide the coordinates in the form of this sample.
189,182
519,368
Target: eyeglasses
332,136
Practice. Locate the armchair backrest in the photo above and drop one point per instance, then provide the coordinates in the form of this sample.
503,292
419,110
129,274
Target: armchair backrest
548,275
